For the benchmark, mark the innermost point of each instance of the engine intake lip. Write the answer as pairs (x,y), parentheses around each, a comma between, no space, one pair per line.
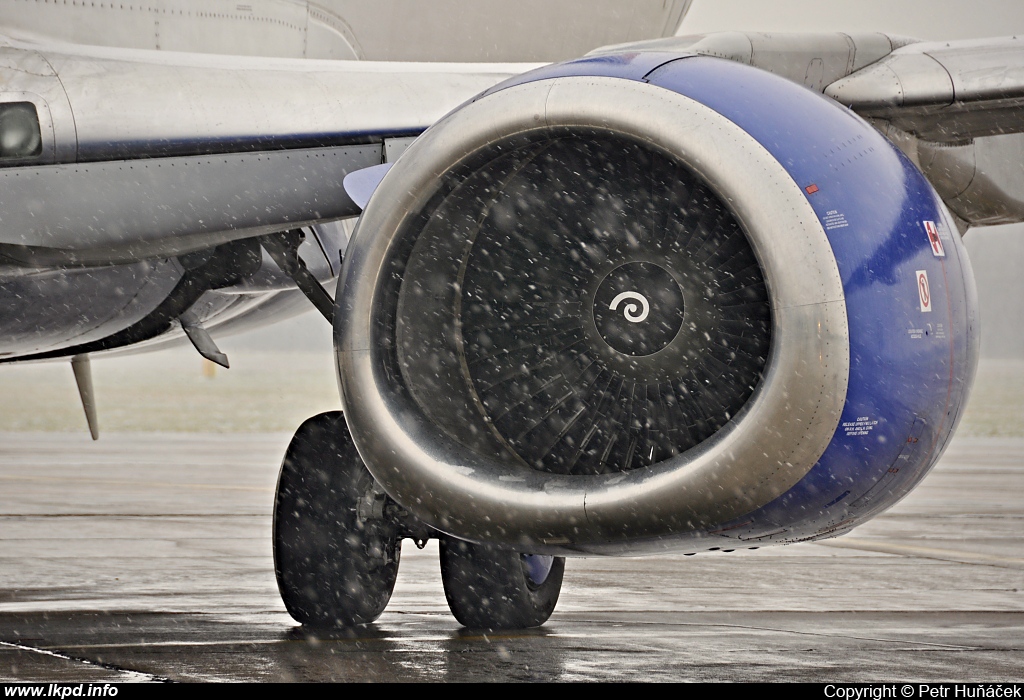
(482,496)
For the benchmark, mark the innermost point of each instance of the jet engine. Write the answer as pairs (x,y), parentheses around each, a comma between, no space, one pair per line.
(647,301)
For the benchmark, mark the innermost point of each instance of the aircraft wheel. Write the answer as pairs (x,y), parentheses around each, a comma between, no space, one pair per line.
(335,556)
(494,588)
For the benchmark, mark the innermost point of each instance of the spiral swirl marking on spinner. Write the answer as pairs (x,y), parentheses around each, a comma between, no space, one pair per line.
(630,309)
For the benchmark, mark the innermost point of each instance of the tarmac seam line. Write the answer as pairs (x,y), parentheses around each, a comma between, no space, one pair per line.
(139,676)
(951,555)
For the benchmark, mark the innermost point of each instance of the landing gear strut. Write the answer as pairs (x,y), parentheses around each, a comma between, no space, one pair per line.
(338,537)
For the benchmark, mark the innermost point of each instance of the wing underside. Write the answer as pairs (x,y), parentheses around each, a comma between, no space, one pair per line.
(137,188)
(947,92)
(957,109)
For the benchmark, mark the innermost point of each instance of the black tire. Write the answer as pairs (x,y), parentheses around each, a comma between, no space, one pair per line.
(333,568)
(487,587)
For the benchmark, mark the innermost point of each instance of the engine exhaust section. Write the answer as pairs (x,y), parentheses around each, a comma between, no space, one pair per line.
(646,302)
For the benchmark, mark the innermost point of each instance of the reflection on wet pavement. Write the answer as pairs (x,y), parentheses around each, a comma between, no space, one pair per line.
(147,557)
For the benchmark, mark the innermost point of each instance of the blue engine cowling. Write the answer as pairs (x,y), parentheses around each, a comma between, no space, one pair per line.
(911,370)
(881,261)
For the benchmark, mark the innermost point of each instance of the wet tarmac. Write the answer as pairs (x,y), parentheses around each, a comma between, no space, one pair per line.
(147,557)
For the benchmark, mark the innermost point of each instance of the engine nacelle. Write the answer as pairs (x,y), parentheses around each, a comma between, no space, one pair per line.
(640,302)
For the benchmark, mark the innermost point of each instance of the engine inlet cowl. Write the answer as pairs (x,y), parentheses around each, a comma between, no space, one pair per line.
(571,302)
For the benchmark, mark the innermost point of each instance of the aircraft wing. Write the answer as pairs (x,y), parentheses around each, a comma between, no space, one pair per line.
(954,108)
(134,184)
(957,109)
(128,137)
(104,106)
(947,92)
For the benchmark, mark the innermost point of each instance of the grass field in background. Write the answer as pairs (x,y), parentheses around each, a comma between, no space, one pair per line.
(168,391)
(267,391)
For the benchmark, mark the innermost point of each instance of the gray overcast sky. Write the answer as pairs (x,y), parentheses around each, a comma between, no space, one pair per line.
(924,19)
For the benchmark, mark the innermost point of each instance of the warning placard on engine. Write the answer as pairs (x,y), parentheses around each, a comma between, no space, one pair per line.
(933,238)
(862,426)
(924,292)
(834,219)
